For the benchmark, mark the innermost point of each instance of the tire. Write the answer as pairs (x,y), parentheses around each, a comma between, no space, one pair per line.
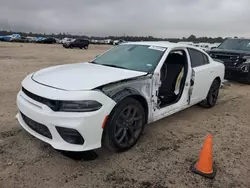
(212,95)
(86,47)
(122,131)
(80,47)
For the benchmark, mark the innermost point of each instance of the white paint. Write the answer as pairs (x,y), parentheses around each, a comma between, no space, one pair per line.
(77,80)
(157,48)
(82,76)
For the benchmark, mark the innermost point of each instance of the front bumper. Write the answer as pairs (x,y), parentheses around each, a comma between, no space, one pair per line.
(87,124)
(236,73)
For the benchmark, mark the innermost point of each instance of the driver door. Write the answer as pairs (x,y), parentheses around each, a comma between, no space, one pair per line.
(183,102)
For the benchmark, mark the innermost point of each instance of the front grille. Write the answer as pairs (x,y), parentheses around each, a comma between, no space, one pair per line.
(38,127)
(53,104)
(229,60)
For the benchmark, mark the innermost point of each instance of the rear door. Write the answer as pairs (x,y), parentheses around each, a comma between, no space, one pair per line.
(202,75)
(76,43)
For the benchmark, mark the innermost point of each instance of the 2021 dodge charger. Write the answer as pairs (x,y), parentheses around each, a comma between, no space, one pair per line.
(108,101)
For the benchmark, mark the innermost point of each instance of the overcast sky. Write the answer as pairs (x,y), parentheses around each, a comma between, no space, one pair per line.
(159,18)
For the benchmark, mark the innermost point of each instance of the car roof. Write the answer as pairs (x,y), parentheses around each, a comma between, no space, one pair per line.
(163,44)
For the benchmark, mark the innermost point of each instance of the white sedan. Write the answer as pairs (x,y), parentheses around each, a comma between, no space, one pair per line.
(108,101)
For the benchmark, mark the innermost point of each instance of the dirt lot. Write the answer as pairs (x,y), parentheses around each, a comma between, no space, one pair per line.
(162,157)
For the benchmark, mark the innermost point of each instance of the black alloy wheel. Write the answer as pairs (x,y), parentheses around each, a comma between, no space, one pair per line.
(128,126)
(125,125)
(212,96)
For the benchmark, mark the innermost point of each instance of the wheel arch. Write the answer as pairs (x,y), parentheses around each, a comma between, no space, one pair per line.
(129,92)
(218,79)
(118,97)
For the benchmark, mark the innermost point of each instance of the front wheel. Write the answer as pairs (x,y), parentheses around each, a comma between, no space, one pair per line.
(124,126)
(212,95)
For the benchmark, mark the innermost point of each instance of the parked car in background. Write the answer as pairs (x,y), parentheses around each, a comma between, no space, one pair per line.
(77,43)
(57,40)
(235,54)
(117,42)
(108,101)
(10,37)
(66,40)
(38,39)
(30,39)
(186,42)
(21,39)
(93,41)
(49,40)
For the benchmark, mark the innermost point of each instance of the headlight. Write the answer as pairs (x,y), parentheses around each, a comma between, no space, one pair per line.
(79,106)
(246,64)
(247,59)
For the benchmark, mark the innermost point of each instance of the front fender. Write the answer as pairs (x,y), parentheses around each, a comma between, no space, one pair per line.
(122,94)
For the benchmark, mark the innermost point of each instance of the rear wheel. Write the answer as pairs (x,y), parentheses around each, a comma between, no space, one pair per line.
(125,125)
(86,47)
(212,95)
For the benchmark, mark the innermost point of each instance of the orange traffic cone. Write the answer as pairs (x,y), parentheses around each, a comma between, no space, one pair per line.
(204,166)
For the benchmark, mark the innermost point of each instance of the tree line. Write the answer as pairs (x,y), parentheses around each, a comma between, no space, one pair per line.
(191,38)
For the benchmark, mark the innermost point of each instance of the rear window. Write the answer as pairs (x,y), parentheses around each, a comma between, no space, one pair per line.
(197,58)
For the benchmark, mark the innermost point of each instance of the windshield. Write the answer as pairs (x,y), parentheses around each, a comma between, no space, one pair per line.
(236,44)
(142,58)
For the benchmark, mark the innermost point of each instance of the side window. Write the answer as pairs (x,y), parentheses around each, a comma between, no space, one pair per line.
(197,58)
(206,61)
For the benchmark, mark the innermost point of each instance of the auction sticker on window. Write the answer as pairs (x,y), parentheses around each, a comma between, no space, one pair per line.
(157,48)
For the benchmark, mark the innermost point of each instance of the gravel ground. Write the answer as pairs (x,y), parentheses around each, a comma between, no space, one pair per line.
(161,158)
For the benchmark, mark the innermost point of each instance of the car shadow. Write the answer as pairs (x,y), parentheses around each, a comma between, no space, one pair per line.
(80,156)
(86,155)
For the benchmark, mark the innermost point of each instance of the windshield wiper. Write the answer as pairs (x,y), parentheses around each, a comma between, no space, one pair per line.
(108,65)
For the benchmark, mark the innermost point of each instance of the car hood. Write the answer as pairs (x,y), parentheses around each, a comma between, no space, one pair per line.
(217,50)
(82,76)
